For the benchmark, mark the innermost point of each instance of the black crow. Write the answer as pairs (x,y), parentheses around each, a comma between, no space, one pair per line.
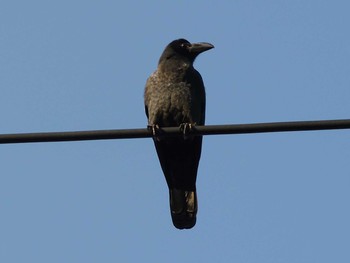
(175,96)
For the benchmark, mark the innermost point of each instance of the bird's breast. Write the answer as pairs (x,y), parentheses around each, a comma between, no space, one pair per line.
(176,108)
(170,104)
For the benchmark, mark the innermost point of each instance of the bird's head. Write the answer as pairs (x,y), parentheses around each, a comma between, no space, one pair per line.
(182,49)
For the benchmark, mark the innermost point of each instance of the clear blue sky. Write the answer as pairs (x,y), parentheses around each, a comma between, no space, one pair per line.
(82,65)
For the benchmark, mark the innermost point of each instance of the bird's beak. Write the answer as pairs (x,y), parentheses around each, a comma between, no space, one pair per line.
(198,48)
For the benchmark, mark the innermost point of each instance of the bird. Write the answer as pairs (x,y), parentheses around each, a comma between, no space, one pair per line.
(174,96)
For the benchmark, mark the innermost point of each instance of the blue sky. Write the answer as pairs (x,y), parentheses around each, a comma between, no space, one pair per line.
(82,65)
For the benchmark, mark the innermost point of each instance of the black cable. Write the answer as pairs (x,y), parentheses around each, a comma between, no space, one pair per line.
(174,131)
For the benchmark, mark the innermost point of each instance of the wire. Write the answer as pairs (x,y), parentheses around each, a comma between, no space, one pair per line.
(175,131)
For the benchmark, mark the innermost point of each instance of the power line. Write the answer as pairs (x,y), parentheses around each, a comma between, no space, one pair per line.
(174,131)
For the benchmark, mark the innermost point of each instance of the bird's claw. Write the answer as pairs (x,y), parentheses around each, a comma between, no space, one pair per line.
(186,129)
(155,129)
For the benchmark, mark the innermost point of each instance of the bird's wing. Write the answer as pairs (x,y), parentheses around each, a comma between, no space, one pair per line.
(146,111)
(146,93)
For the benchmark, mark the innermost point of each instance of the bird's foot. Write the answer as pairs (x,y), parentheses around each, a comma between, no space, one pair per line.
(155,129)
(186,128)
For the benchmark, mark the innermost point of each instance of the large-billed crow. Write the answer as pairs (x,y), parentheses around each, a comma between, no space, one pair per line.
(175,96)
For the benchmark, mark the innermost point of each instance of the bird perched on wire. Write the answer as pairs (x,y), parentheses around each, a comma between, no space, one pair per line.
(175,96)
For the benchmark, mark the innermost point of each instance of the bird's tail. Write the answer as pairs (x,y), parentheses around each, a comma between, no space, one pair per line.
(183,208)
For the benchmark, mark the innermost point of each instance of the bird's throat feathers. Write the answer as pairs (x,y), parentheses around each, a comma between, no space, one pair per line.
(175,67)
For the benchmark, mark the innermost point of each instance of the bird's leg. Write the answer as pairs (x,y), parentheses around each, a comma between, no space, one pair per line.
(186,129)
(155,131)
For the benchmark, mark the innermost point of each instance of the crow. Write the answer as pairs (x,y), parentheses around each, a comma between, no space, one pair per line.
(175,96)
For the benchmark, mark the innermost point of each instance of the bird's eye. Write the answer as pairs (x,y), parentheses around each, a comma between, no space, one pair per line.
(184,45)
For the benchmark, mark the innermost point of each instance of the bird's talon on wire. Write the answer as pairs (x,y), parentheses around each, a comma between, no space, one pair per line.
(155,129)
(186,129)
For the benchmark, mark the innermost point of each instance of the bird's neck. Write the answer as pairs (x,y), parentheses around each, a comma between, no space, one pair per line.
(176,68)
